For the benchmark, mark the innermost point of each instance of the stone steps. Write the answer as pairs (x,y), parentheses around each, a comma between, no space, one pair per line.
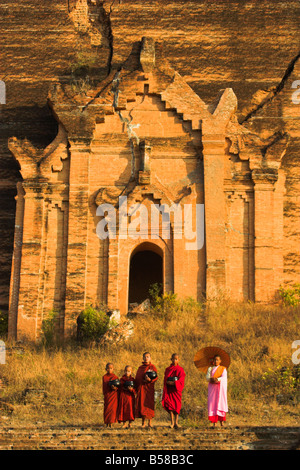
(160,438)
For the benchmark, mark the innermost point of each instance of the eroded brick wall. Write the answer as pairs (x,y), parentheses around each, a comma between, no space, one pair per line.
(246,45)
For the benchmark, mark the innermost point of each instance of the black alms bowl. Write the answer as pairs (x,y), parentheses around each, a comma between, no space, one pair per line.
(114,383)
(172,379)
(128,383)
(151,374)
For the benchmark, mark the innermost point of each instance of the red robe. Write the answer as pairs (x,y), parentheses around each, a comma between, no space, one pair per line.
(144,407)
(110,400)
(171,399)
(126,401)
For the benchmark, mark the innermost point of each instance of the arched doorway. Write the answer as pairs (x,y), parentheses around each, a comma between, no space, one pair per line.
(146,268)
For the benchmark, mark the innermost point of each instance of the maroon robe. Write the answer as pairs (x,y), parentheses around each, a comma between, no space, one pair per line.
(126,405)
(110,400)
(144,407)
(171,399)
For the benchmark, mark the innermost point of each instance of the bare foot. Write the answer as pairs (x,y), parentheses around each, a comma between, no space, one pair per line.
(125,426)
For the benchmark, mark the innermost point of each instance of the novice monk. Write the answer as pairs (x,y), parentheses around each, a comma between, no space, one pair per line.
(126,399)
(145,391)
(171,400)
(110,396)
(217,392)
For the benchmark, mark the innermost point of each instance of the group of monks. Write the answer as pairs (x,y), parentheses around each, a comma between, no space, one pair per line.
(134,397)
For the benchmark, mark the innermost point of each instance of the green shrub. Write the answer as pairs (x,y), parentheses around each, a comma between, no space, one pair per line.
(92,323)
(282,379)
(155,291)
(290,296)
(167,306)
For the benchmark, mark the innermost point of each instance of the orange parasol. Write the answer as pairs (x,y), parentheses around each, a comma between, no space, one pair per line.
(204,358)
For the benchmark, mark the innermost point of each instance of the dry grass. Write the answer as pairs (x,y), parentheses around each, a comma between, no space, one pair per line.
(258,338)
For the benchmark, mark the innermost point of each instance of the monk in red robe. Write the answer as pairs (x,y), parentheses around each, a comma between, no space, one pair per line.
(171,399)
(144,405)
(126,407)
(110,396)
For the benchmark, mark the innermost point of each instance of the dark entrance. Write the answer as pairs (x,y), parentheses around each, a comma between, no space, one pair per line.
(146,268)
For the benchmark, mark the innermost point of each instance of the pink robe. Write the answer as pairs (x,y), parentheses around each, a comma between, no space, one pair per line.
(171,399)
(217,397)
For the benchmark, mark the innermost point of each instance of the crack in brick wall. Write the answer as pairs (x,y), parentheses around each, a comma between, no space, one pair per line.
(269,94)
(201,41)
(93,17)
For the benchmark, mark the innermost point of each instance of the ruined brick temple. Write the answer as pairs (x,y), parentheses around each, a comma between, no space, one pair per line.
(140,131)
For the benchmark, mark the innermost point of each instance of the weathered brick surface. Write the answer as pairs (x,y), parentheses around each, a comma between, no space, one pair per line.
(223,151)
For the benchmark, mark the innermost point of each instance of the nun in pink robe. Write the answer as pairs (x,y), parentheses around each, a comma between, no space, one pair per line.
(217,392)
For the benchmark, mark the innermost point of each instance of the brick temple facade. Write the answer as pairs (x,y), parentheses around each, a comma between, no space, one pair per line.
(143,134)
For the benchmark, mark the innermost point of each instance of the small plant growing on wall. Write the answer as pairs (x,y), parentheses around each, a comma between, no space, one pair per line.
(80,73)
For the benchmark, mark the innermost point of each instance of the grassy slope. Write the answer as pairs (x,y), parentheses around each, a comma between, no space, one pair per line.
(258,338)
